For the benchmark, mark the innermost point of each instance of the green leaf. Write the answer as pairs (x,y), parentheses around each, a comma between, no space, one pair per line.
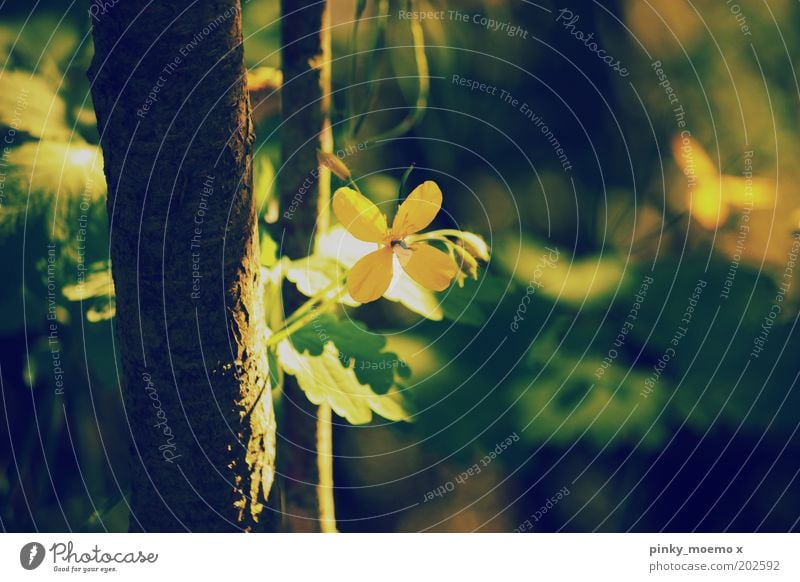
(62,182)
(64,172)
(275,380)
(473,303)
(324,379)
(358,348)
(264,185)
(315,273)
(269,250)
(96,291)
(29,105)
(576,282)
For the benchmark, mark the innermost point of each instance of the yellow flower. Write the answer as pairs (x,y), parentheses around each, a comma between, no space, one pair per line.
(370,277)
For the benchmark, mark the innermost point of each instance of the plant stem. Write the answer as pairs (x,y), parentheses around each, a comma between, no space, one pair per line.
(327,512)
(309,305)
(297,322)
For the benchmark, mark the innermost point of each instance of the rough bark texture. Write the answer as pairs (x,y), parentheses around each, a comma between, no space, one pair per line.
(184,252)
(304,112)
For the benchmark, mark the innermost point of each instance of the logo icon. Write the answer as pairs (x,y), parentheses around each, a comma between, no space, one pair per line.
(31,555)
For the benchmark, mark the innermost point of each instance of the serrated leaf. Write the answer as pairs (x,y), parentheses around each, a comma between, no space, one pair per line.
(324,379)
(316,273)
(358,349)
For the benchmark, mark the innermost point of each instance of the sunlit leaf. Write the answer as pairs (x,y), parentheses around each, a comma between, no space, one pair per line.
(97,290)
(316,273)
(63,181)
(554,274)
(68,170)
(358,349)
(29,105)
(268,249)
(324,379)
(264,187)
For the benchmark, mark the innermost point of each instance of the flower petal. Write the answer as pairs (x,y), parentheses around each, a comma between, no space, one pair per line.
(359,215)
(418,210)
(430,267)
(370,276)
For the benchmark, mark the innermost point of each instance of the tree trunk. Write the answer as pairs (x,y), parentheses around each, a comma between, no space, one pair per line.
(304,198)
(173,114)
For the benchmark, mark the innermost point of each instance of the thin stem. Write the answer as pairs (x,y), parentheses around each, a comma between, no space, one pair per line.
(300,322)
(324,428)
(447,232)
(309,305)
(327,511)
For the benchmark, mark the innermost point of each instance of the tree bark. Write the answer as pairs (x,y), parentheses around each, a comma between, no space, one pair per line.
(304,200)
(173,114)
